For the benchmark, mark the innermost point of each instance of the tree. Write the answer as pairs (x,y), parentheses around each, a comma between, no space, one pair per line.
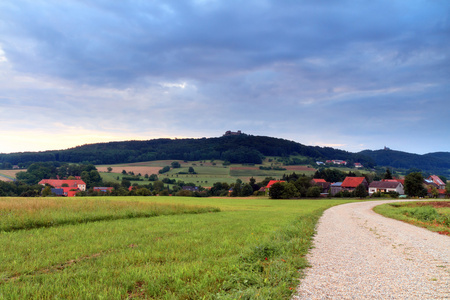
(191,170)
(414,185)
(164,170)
(126,183)
(158,186)
(361,191)
(289,191)
(246,190)
(314,191)
(153,177)
(237,188)
(175,165)
(388,174)
(276,190)
(47,191)
(109,169)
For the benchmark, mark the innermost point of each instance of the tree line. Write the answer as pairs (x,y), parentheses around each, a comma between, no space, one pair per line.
(234,149)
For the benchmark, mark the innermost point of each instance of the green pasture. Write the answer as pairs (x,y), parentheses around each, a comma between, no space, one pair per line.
(206,173)
(251,249)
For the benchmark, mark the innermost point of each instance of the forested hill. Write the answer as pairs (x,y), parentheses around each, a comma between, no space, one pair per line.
(438,162)
(235,149)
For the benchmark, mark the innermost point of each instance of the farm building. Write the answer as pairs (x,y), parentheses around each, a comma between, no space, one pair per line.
(335,188)
(67,187)
(350,183)
(72,183)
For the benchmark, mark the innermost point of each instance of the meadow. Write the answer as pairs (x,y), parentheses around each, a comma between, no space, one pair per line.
(250,248)
(433,215)
(207,172)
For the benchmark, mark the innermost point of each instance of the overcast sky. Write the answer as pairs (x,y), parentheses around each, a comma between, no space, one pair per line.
(349,74)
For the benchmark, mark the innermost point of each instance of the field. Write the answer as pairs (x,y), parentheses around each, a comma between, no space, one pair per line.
(251,249)
(8,175)
(433,215)
(207,172)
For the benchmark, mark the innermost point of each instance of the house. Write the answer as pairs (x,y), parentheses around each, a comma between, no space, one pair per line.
(437,193)
(350,183)
(322,183)
(67,187)
(190,188)
(335,188)
(72,183)
(339,162)
(433,179)
(358,165)
(386,187)
(102,189)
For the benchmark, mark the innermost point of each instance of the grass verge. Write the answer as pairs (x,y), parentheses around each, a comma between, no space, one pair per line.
(433,215)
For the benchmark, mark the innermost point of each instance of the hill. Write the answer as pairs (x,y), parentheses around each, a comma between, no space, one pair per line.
(438,162)
(235,149)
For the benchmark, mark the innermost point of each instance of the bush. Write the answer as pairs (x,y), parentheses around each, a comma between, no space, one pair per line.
(314,191)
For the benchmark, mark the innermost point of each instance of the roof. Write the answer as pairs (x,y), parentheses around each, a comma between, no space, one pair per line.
(352,182)
(384,184)
(317,180)
(337,184)
(59,182)
(402,181)
(436,180)
(272,182)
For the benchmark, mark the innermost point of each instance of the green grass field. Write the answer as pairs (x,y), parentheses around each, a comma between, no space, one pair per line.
(433,215)
(207,172)
(251,249)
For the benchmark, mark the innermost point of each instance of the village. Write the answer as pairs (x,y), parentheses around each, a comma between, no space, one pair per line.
(434,186)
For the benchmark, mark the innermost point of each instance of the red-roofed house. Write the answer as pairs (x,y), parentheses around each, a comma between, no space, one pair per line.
(73,183)
(437,181)
(69,187)
(350,183)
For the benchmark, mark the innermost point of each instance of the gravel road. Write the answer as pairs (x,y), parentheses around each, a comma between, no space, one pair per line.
(359,254)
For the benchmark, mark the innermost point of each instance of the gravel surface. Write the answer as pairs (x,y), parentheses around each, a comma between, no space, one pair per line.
(359,254)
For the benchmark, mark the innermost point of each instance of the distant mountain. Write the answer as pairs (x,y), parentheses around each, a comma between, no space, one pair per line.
(438,162)
(241,148)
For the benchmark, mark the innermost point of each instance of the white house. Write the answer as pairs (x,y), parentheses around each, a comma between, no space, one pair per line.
(386,187)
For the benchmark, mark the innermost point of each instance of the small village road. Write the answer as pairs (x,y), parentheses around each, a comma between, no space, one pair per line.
(359,254)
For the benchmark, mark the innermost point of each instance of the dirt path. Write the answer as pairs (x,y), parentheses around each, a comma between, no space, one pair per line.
(359,254)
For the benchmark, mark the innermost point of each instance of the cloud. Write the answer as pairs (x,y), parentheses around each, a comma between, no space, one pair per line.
(310,71)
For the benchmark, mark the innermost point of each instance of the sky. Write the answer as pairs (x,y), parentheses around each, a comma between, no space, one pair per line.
(348,74)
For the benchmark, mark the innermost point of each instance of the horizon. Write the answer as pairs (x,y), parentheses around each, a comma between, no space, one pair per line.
(347,75)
